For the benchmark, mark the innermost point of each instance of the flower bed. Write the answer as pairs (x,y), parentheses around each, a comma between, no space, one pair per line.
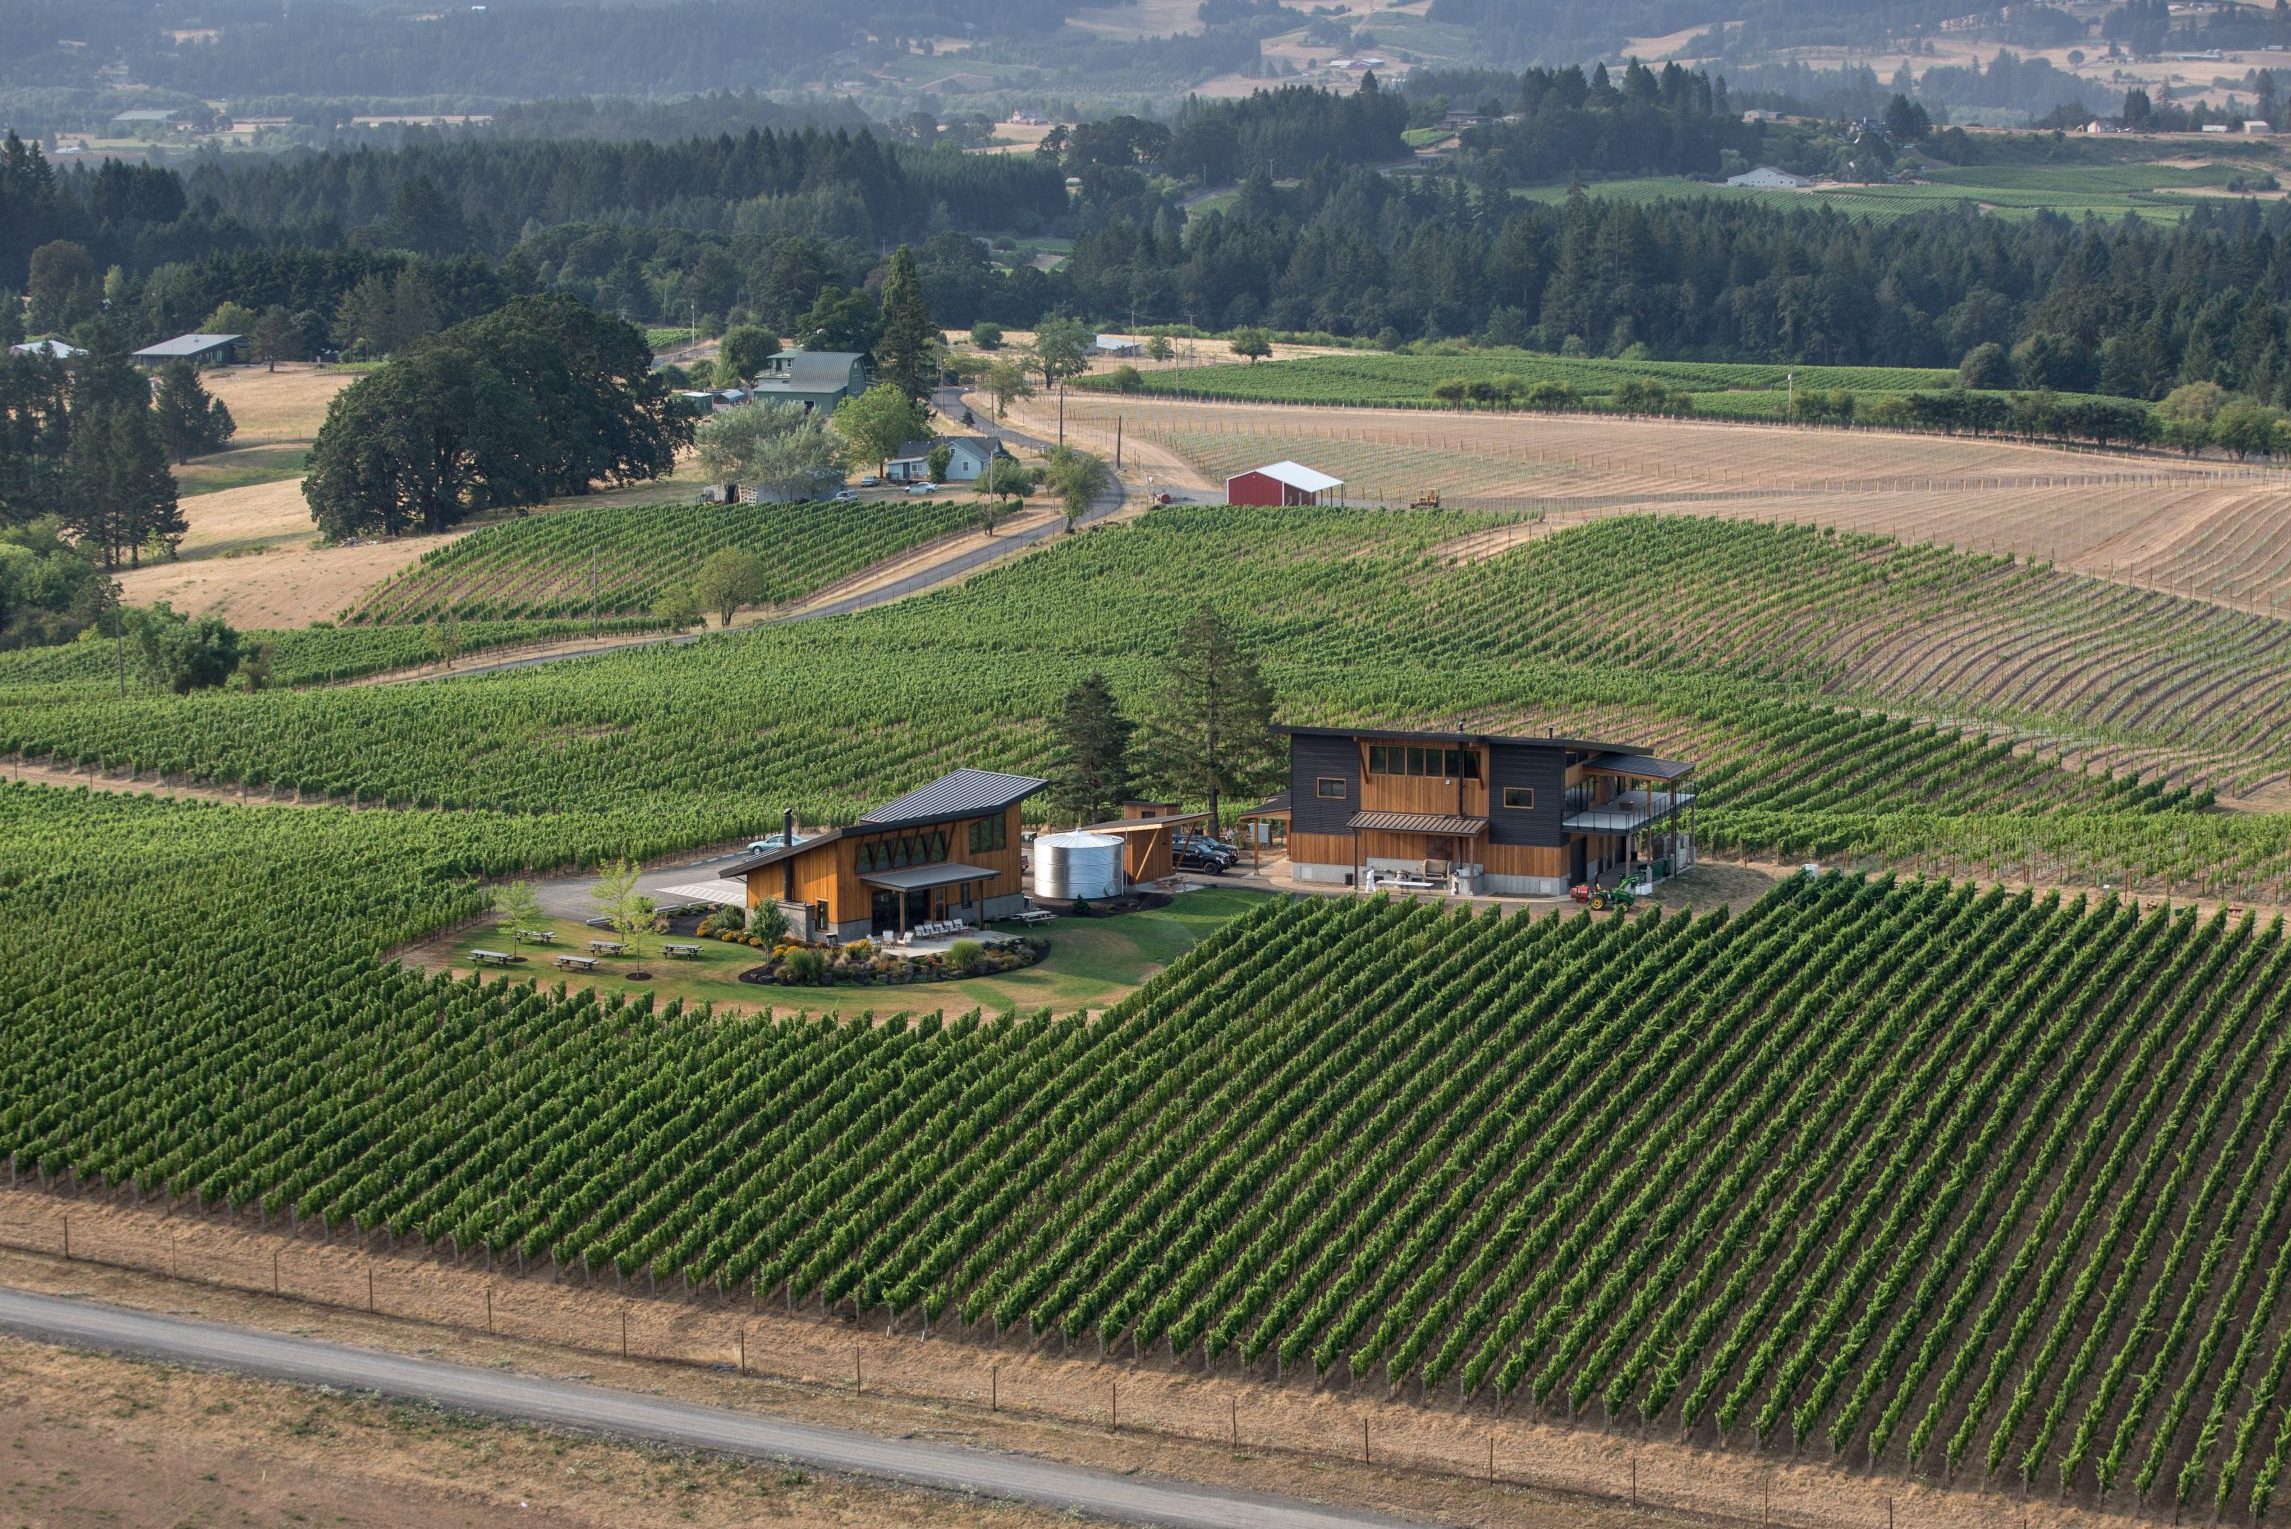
(863,963)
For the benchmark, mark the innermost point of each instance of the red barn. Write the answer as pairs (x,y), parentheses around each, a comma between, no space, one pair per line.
(1281,483)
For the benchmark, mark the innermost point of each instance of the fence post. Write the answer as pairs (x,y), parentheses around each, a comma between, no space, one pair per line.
(274,1271)
(855,1369)
(489,1311)
(67,1239)
(994,1387)
(369,1290)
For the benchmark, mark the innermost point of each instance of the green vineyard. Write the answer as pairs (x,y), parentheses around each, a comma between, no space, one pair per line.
(1916,1175)
(303,656)
(1796,663)
(1369,379)
(620,559)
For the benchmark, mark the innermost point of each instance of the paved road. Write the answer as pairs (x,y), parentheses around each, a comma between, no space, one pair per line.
(624,1414)
(928,577)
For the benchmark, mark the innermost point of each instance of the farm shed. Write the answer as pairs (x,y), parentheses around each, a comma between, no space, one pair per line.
(946,850)
(198,349)
(1113,347)
(1514,815)
(1280,483)
(1147,840)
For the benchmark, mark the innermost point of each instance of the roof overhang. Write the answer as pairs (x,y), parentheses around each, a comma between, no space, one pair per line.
(772,857)
(1419,735)
(723,891)
(1143,825)
(915,878)
(1627,813)
(1296,475)
(1450,824)
(1640,766)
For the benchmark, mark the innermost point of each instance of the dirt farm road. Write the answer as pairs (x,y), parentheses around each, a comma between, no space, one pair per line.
(597,1409)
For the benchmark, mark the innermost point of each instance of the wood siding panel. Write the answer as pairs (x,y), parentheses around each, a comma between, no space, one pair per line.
(1526,859)
(1422,793)
(1320,849)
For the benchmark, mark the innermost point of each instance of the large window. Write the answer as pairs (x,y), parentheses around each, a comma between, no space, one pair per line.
(928,847)
(988,833)
(1415,759)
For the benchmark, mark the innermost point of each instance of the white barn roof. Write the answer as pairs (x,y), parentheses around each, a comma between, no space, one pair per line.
(185,345)
(1298,476)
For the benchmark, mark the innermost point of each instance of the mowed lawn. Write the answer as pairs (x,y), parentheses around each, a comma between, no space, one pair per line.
(1092,962)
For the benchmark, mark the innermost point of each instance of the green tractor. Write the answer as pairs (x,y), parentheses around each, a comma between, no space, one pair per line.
(1622,897)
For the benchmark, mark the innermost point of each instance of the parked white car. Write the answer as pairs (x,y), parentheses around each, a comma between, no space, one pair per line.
(924,487)
(870,481)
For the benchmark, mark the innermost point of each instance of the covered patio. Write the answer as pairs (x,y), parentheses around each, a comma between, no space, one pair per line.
(1654,819)
(923,894)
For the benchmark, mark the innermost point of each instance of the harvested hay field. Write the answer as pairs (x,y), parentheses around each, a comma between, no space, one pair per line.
(2210,530)
(278,408)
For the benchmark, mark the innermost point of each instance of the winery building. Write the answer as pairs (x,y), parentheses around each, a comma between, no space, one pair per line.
(1509,815)
(948,850)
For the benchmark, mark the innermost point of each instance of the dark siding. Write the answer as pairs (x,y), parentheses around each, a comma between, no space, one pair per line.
(1538,765)
(1310,758)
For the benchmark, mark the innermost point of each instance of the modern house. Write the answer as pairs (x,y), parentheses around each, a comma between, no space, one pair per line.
(948,850)
(1281,483)
(198,349)
(1514,816)
(817,379)
(1768,178)
(968,457)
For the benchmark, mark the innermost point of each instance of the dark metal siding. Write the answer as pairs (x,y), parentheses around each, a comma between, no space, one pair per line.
(1309,759)
(1542,766)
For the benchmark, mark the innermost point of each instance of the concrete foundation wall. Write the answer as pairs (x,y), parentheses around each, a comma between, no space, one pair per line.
(1525,886)
(1329,874)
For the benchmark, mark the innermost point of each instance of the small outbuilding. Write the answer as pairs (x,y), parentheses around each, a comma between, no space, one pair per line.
(1767,178)
(1281,483)
(1112,347)
(198,349)
(1147,831)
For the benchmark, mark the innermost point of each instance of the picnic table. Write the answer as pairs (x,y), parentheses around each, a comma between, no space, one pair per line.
(1034,916)
(606,947)
(688,952)
(577,963)
(538,936)
(495,957)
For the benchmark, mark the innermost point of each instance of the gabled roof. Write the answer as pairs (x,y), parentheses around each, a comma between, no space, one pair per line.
(58,350)
(810,371)
(1297,476)
(964,793)
(979,446)
(186,345)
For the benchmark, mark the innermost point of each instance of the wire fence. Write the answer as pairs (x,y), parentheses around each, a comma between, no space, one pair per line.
(834,1351)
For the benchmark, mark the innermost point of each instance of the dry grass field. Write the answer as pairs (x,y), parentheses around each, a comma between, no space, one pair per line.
(2212,530)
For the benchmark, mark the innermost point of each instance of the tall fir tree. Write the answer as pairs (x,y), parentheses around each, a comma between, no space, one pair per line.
(907,356)
(1090,772)
(1209,728)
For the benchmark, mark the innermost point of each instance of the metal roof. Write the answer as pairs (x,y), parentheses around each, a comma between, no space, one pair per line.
(964,793)
(1645,766)
(809,371)
(1418,823)
(1271,807)
(187,345)
(914,878)
(57,350)
(721,890)
(1456,735)
(1141,825)
(1296,475)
